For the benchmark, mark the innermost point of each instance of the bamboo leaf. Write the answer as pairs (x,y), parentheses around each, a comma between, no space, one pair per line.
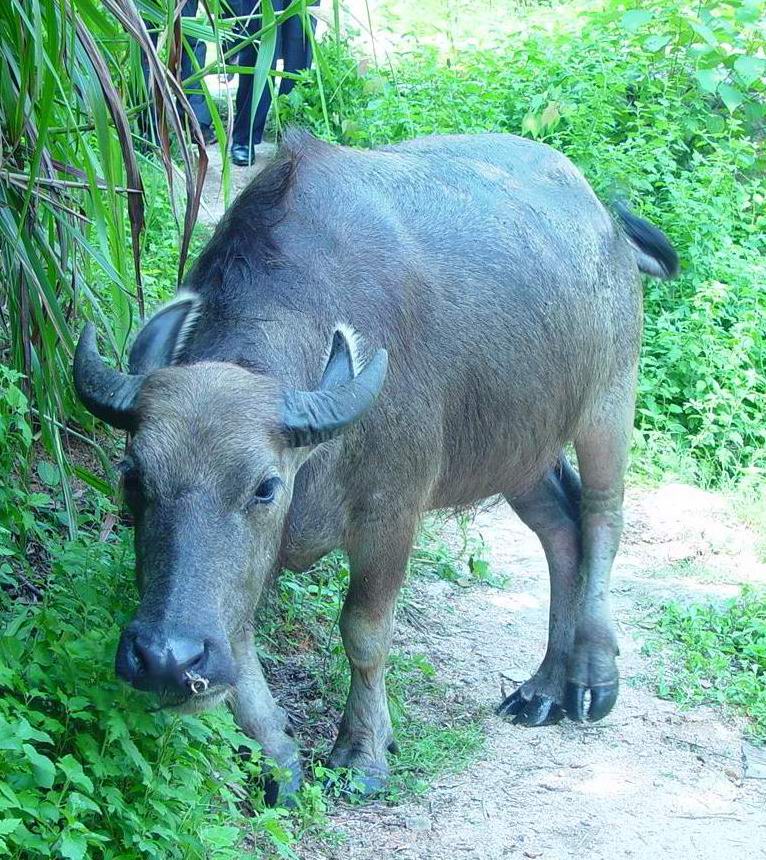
(117,110)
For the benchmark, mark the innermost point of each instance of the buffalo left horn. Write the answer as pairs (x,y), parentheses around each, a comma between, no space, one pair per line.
(311,417)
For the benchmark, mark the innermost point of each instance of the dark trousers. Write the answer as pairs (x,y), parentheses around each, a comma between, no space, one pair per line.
(293,47)
(193,91)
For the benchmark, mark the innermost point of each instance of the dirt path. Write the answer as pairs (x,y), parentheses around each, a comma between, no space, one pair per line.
(649,781)
(213,205)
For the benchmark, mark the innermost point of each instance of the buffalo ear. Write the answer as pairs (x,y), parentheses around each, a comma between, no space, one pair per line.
(161,341)
(340,364)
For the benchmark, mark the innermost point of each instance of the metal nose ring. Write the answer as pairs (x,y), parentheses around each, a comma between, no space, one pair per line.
(196,683)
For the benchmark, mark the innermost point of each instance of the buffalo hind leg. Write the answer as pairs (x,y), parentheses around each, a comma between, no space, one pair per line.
(378,560)
(551,510)
(602,453)
(260,718)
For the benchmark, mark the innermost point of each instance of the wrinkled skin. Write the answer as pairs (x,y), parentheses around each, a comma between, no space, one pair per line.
(510,307)
(191,481)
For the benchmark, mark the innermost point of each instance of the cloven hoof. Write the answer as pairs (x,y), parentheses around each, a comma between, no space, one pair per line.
(531,713)
(284,792)
(602,699)
(358,783)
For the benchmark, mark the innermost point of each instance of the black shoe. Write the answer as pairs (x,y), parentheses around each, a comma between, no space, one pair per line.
(242,156)
(208,135)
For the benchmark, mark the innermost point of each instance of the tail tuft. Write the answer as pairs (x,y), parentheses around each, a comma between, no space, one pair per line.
(654,253)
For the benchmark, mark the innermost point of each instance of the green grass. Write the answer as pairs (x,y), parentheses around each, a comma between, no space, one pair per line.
(435,735)
(717,654)
(684,568)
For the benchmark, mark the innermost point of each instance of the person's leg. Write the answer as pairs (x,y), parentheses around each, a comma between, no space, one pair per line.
(193,91)
(249,118)
(148,118)
(296,48)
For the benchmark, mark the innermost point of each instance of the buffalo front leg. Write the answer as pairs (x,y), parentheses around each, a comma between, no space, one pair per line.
(552,510)
(260,718)
(378,562)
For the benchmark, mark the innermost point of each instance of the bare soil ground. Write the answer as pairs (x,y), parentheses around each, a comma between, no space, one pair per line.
(651,780)
(213,201)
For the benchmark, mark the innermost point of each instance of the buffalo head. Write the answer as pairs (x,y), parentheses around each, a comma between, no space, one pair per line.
(208,475)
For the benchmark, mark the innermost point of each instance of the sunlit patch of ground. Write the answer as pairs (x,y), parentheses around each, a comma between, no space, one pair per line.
(651,780)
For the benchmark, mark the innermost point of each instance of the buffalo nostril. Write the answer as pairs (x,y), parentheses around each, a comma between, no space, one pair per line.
(200,661)
(128,663)
(166,662)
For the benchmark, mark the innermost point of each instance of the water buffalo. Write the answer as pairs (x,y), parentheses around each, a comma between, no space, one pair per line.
(370,335)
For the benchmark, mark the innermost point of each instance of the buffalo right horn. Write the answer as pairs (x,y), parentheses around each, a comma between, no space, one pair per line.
(111,395)
(105,392)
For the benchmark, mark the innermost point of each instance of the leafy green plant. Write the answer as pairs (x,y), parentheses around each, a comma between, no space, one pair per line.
(722,39)
(71,207)
(15,441)
(86,770)
(462,561)
(721,651)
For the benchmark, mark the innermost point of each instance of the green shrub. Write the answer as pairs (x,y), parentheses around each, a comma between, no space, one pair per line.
(722,653)
(86,769)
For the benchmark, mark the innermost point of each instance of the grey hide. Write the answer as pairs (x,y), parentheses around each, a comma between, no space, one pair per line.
(508,301)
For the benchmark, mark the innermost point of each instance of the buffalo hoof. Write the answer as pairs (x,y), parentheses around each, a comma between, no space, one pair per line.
(369,782)
(602,699)
(531,712)
(283,792)
(368,775)
(358,782)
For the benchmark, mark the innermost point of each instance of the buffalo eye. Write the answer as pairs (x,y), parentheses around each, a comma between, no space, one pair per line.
(265,492)
(129,473)
(125,466)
